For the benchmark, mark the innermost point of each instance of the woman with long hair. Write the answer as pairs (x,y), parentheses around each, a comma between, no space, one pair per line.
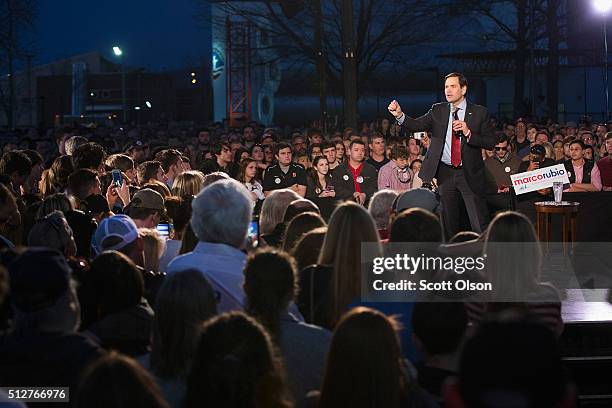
(184,302)
(365,366)
(268,154)
(115,380)
(187,183)
(257,153)
(270,286)
(247,175)
(235,366)
(239,155)
(513,267)
(319,181)
(559,156)
(55,179)
(340,152)
(328,288)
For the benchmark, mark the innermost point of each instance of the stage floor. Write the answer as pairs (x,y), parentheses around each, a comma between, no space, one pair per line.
(584,305)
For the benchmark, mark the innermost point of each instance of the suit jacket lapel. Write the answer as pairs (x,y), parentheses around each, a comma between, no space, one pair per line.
(467,119)
(447,113)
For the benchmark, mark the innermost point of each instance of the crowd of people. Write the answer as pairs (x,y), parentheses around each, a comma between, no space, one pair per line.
(158,267)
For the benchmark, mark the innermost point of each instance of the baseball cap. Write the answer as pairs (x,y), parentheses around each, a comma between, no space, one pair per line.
(137,143)
(419,198)
(570,124)
(149,199)
(120,227)
(39,277)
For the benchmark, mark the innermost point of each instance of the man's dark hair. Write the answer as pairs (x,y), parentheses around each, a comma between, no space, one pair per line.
(578,142)
(399,152)
(439,326)
(167,158)
(608,135)
(120,161)
(376,135)
(356,141)
(15,161)
(218,148)
(141,213)
(313,132)
(544,132)
(416,225)
(147,170)
(81,181)
(116,282)
(503,139)
(34,156)
(327,145)
(88,156)
(280,146)
(462,79)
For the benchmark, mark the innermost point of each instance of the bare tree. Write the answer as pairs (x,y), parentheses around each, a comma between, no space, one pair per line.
(17,19)
(524,27)
(386,34)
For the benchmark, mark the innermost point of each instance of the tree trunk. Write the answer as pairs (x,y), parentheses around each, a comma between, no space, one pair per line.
(520,58)
(552,68)
(349,66)
(10,109)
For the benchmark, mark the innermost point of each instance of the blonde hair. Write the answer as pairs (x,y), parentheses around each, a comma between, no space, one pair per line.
(350,226)
(154,247)
(550,151)
(274,207)
(188,183)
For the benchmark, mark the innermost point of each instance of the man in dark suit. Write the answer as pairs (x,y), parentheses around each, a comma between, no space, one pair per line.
(459,130)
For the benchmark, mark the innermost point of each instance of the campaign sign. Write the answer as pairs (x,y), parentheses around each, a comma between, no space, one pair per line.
(538,179)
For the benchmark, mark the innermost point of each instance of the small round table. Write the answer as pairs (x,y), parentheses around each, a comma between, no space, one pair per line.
(568,211)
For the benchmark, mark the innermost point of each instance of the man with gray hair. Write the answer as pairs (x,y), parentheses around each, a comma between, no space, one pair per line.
(221,229)
(73,142)
(380,209)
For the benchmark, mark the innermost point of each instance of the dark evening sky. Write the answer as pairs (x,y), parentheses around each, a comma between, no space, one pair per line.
(155,34)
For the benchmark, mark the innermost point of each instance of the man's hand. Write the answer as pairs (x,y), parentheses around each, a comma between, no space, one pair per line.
(359,197)
(395,109)
(533,166)
(460,125)
(111,196)
(124,193)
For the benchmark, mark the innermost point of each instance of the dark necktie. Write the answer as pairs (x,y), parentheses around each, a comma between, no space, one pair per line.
(456,142)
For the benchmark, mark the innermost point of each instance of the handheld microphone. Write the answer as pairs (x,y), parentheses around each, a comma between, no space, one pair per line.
(457,133)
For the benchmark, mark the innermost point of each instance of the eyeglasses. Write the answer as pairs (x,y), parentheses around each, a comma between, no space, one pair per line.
(500,148)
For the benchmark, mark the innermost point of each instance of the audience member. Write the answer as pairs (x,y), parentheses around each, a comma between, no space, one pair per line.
(187,183)
(380,210)
(235,365)
(122,318)
(298,226)
(184,302)
(270,286)
(365,367)
(514,363)
(355,179)
(284,174)
(221,230)
(329,287)
(118,381)
(43,348)
(439,329)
